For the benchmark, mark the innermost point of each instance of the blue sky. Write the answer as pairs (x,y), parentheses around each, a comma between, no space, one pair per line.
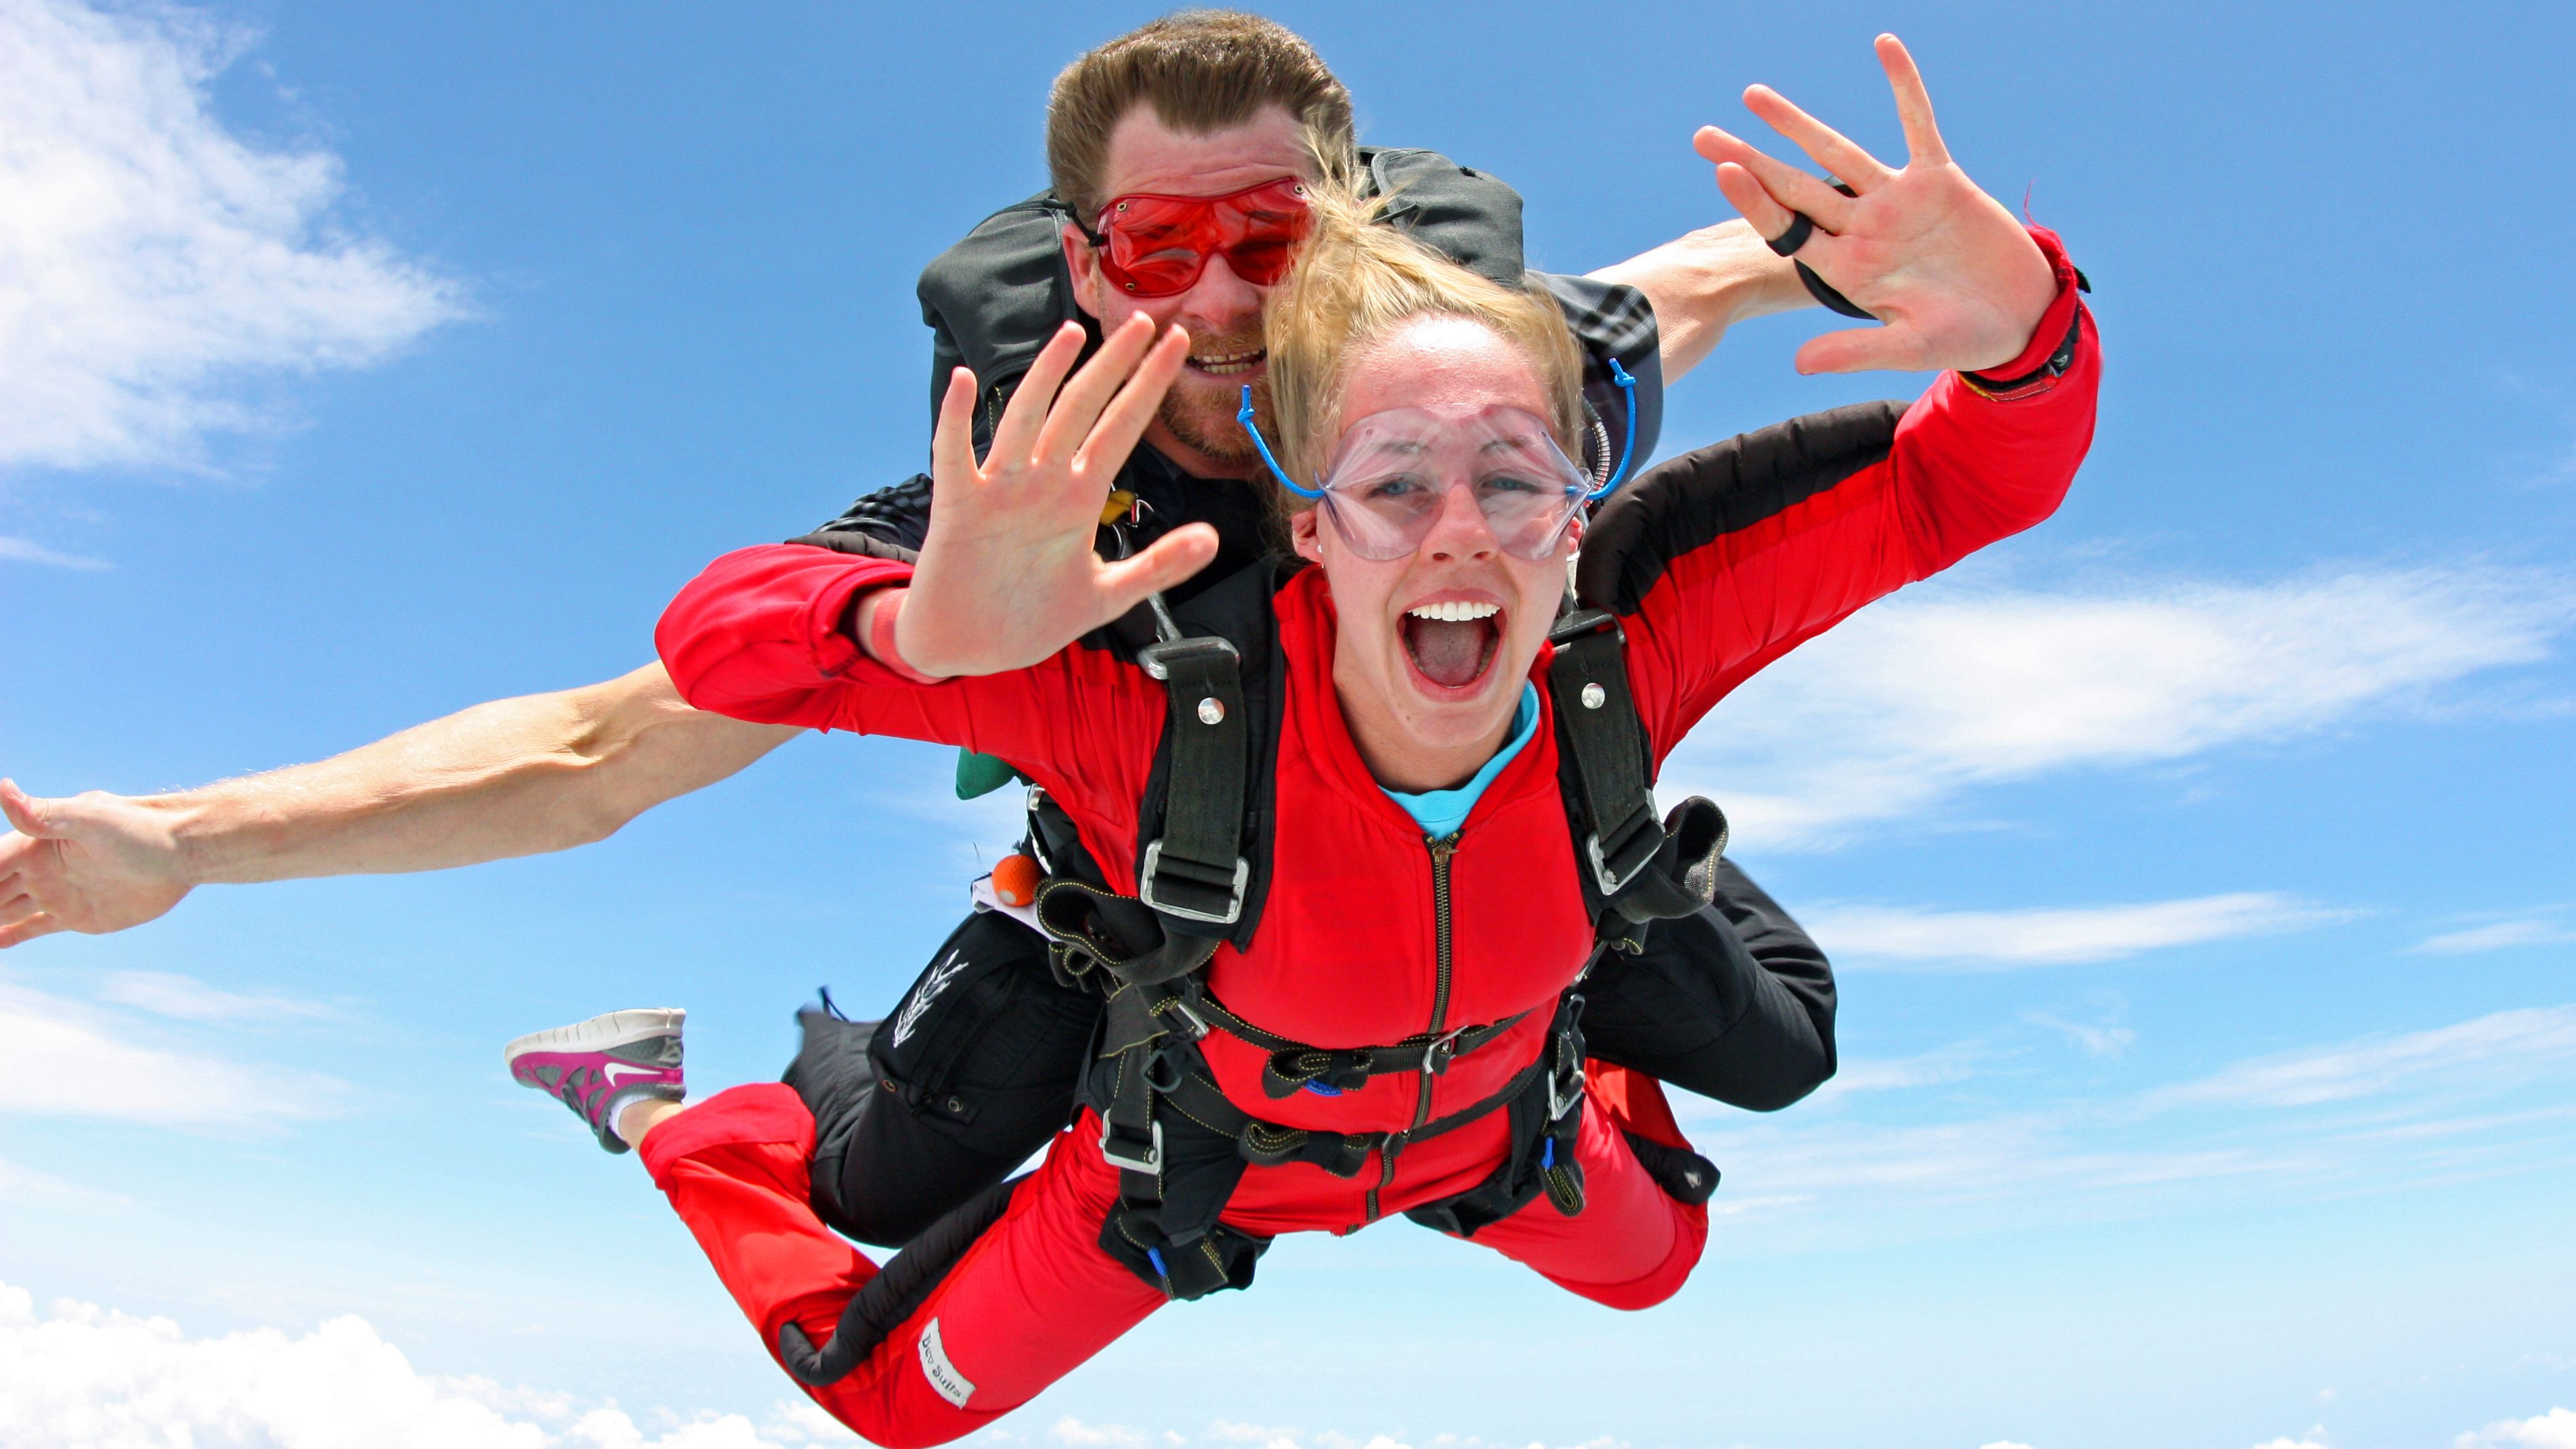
(2199,865)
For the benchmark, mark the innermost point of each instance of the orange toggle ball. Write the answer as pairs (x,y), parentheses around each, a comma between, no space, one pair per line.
(1015,880)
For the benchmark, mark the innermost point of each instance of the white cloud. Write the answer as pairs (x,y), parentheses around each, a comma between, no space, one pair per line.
(151,262)
(2499,1048)
(2008,940)
(20,550)
(2096,1041)
(2553,1430)
(68,1059)
(166,994)
(2498,936)
(84,1377)
(1955,685)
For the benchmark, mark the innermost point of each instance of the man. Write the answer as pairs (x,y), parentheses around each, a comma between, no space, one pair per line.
(1207,109)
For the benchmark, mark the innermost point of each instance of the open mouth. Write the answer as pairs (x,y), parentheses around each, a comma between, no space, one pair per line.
(1229,364)
(1453,643)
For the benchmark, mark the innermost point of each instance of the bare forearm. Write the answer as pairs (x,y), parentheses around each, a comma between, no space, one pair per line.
(513,777)
(1705,281)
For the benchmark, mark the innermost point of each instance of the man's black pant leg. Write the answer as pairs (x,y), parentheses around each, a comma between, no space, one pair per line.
(974,1071)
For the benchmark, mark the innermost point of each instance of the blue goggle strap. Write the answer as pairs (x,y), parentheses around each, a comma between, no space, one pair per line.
(1245,417)
(1627,449)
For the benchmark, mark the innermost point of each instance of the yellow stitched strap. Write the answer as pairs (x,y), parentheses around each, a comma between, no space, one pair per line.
(1116,507)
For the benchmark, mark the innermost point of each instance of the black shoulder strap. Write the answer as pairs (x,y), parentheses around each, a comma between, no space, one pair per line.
(1636,868)
(1204,826)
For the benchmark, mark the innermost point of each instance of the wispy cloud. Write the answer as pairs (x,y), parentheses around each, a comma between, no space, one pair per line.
(85,1375)
(2499,935)
(2553,1430)
(154,263)
(1957,685)
(2501,1049)
(70,1059)
(2010,940)
(2479,1097)
(188,999)
(19,550)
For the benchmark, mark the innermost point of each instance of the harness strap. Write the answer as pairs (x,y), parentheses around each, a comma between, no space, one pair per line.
(1642,870)
(1330,1071)
(1196,872)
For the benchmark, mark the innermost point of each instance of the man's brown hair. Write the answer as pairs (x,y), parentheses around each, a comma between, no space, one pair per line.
(1201,71)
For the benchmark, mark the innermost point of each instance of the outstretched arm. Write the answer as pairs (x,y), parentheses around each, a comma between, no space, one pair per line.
(513,777)
(1703,282)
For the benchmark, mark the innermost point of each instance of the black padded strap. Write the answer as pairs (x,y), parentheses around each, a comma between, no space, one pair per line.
(1588,682)
(1194,873)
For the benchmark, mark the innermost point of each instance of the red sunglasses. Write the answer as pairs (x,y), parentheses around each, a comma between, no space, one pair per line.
(1156,246)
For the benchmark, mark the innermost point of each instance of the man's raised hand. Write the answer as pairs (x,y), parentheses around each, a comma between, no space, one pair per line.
(91,863)
(1007,574)
(1953,277)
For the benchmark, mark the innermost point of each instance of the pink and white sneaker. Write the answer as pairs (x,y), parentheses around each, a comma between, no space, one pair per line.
(598,1067)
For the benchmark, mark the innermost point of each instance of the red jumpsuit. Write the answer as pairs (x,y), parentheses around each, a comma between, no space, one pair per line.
(1352,948)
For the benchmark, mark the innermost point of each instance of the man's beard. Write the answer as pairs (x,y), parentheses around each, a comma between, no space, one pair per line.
(1200,412)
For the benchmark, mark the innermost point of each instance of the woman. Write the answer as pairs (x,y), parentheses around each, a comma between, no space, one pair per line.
(1423,870)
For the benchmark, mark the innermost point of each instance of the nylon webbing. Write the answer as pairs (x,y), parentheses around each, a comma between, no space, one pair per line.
(1194,874)
(1588,683)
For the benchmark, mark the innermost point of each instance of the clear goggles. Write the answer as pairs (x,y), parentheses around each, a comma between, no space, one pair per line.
(1392,474)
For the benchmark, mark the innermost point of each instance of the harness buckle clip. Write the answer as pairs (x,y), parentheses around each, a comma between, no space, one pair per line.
(1145,875)
(1120,1156)
(1611,880)
(1441,1050)
(1156,658)
(1197,1024)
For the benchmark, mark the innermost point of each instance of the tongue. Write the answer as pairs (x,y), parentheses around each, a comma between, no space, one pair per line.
(1450,653)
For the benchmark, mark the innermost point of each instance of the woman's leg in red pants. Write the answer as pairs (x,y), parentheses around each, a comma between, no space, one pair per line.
(1030,1301)
(1631,1246)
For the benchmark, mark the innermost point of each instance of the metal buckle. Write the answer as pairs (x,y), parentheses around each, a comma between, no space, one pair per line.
(1441,1050)
(1557,1102)
(1151,1162)
(1154,658)
(1611,883)
(1233,908)
(1583,624)
(1197,1024)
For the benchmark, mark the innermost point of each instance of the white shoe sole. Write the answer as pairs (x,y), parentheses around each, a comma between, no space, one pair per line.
(616,1029)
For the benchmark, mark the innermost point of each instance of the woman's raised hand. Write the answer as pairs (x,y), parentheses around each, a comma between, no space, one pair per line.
(1953,277)
(1007,574)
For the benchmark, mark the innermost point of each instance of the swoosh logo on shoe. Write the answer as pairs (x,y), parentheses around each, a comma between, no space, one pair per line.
(610,1071)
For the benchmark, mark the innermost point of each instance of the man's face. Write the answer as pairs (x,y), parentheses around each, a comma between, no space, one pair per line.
(1429,694)
(1196,427)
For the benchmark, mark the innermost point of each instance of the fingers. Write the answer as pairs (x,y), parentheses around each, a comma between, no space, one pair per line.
(1824,145)
(1859,349)
(952,442)
(1789,186)
(25,814)
(1132,411)
(1015,437)
(17,932)
(1913,105)
(1769,218)
(1079,405)
(1172,558)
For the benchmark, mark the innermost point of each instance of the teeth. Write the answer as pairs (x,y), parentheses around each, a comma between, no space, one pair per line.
(1456,611)
(1229,363)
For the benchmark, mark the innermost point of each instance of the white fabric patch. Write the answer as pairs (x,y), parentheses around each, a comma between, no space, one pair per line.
(942,1374)
(982,894)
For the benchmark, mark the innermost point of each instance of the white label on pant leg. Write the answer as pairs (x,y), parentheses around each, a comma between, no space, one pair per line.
(942,1374)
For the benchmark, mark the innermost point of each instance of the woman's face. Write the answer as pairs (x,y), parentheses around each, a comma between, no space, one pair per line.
(1434,646)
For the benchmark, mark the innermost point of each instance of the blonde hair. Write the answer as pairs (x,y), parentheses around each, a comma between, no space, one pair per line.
(1355,282)
(1201,71)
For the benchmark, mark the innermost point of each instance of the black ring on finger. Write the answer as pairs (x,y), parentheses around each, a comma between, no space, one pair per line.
(1800,228)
